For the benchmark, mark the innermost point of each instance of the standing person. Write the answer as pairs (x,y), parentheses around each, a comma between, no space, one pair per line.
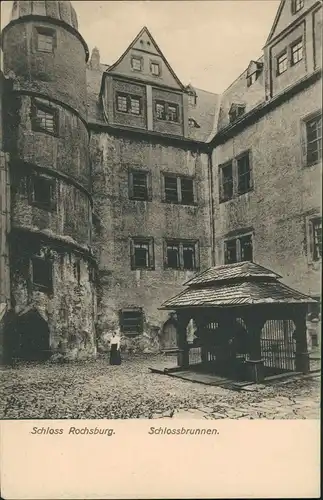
(115,356)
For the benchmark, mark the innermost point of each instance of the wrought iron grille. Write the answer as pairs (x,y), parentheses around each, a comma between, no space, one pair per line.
(278,346)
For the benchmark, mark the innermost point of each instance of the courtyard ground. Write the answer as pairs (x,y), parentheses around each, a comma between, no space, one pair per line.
(97,390)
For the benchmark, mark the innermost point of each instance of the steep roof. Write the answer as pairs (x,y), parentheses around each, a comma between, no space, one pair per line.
(243,283)
(205,113)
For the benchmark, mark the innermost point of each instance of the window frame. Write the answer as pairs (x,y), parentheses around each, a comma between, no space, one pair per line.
(141,61)
(155,63)
(179,179)
(48,32)
(238,158)
(234,113)
(51,205)
(129,98)
(238,248)
(222,197)
(142,240)
(278,57)
(315,253)
(132,196)
(48,289)
(181,243)
(166,105)
(47,109)
(292,53)
(140,329)
(296,6)
(317,116)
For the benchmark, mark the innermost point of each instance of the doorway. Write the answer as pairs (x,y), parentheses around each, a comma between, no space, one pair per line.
(169,336)
(32,336)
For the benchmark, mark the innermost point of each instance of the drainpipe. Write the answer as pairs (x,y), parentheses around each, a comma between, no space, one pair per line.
(211,207)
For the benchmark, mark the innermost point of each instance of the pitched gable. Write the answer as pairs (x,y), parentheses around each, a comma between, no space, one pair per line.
(145,50)
(286,15)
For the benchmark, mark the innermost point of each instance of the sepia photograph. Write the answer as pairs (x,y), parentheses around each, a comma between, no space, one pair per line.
(161,223)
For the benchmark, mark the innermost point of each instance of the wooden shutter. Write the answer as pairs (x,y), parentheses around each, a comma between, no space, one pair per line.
(132,254)
(130,184)
(151,254)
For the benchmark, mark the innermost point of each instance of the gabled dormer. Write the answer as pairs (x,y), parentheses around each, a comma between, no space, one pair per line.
(236,110)
(143,60)
(253,72)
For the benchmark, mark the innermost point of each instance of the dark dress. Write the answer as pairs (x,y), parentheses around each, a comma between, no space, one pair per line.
(115,357)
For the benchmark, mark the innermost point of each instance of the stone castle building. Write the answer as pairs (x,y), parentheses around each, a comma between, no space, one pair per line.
(120,182)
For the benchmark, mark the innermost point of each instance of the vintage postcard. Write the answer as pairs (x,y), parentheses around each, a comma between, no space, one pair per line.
(161,248)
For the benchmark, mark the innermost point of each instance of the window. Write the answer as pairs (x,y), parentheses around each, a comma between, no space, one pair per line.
(297,52)
(142,253)
(238,249)
(41,192)
(167,111)
(236,111)
(131,321)
(193,123)
(226,186)
(136,63)
(192,99)
(129,104)
(138,185)
(282,63)
(44,118)
(316,231)
(45,39)
(252,78)
(297,5)
(244,174)
(314,140)
(155,68)
(42,274)
(181,255)
(179,189)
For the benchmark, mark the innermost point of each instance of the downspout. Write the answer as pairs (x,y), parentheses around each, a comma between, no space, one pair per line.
(211,207)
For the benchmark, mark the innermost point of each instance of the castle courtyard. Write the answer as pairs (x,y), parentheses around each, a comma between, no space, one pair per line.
(97,390)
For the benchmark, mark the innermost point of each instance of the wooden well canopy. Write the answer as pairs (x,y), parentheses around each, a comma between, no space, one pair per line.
(248,292)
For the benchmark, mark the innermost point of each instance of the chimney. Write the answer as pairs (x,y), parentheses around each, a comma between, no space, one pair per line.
(95,59)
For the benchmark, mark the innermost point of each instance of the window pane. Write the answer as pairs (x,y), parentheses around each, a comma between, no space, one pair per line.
(42,273)
(173,256)
(45,120)
(230,252)
(131,321)
(314,139)
(160,111)
(172,113)
(187,191)
(188,256)
(282,63)
(155,69)
(297,52)
(244,177)
(171,194)
(246,247)
(122,103)
(42,191)
(140,189)
(136,64)
(45,42)
(141,255)
(227,183)
(317,238)
(135,106)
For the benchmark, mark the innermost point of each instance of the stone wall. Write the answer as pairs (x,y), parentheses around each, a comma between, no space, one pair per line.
(286,192)
(120,218)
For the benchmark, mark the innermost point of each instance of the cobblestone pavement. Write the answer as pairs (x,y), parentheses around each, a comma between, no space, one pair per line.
(97,390)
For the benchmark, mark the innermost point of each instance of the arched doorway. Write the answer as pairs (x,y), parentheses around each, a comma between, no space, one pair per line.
(32,337)
(169,335)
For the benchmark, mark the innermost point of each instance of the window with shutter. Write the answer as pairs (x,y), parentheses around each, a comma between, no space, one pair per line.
(131,321)
(139,185)
(244,174)
(181,254)
(142,253)
(179,189)
(44,118)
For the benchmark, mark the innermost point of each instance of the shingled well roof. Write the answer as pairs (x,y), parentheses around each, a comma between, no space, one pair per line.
(244,283)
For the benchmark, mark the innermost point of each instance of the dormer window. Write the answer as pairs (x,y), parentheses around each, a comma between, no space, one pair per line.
(236,111)
(136,63)
(193,123)
(297,5)
(155,68)
(252,78)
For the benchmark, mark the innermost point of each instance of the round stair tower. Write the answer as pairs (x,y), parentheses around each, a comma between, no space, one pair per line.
(51,204)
